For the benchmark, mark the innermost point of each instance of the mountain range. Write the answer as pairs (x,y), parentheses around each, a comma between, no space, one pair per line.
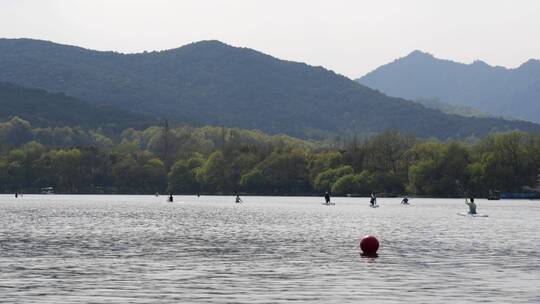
(493,89)
(212,83)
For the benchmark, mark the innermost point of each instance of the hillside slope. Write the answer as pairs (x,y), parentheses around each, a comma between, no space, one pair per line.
(45,109)
(213,83)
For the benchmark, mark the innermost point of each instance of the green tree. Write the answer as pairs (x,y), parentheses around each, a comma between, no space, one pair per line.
(68,168)
(386,152)
(214,175)
(155,176)
(127,174)
(182,178)
(241,164)
(440,170)
(254,182)
(346,184)
(507,161)
(322,162)
(286,172)
(15,132)
(325,179)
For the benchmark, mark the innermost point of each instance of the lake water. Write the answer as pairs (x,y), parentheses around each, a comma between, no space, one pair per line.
(141,249)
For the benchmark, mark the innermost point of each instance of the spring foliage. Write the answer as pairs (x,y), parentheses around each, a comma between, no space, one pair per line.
(220,160)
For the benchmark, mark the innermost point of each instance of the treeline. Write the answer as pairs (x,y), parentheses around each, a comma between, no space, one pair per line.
(213,160)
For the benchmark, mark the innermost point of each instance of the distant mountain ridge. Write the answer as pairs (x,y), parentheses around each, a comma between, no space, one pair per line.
(211,83)
(494,89)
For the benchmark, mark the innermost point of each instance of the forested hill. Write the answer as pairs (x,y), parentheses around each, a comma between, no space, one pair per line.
(213,83)
(497,90)
(45,109)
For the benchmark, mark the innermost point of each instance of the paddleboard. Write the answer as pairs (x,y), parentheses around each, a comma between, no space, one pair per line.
(472,215)
(374,206)
(329,204)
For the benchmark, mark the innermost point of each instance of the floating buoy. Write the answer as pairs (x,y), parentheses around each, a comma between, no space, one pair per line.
(369,245)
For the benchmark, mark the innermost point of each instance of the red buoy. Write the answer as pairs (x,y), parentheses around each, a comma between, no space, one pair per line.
(369,245)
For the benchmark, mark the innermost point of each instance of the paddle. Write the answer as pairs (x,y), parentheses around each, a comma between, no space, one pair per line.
(461,189)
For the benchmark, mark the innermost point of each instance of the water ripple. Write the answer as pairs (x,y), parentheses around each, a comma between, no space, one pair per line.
(140,249)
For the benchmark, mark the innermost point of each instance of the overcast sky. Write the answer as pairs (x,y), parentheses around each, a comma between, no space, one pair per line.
(349,37)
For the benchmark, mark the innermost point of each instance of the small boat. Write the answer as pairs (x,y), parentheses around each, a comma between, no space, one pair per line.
(47,190)
(494,195)
(472,215)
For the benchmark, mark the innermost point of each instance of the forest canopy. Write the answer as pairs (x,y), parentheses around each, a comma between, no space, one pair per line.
(217,160)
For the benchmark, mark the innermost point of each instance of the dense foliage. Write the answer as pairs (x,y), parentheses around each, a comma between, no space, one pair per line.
(216,160)
(210,83)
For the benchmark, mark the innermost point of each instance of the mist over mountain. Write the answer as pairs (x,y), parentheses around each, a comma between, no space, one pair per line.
(463,110)
(493,89)
(212,83)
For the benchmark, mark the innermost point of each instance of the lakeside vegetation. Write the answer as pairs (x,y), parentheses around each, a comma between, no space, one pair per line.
(215,160)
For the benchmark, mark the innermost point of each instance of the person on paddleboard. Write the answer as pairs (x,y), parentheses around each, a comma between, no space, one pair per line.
(238,199)
(327,198)
(471,204)
(171,198)
(405,200)
(373,200)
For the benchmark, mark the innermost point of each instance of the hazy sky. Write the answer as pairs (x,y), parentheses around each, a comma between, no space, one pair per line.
(349,37)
